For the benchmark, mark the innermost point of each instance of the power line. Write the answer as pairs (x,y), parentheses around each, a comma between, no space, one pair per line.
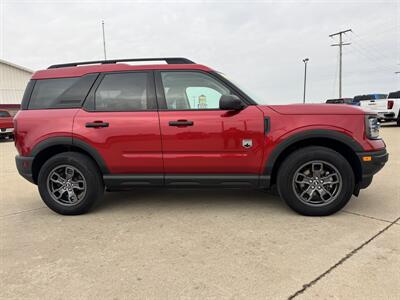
(361,51)
(371,48)
(340,44)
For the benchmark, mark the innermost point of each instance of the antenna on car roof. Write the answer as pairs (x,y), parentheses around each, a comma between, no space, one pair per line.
(168,60)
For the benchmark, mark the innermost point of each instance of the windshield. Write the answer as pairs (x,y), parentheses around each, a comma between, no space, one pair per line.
(380,96)
(252,95)
(336,101)
(4,114)
(369,97)
(363,97)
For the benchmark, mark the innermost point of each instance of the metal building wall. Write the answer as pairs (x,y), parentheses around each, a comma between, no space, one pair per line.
(13,81)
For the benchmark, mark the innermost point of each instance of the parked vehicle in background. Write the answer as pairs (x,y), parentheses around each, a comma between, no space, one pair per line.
(393,105)
(388,109)
(357,99)
(6,125)
(111,125)
(340,101)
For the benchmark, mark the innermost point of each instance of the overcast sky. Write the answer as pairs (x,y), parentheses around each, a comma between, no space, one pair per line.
(260,44)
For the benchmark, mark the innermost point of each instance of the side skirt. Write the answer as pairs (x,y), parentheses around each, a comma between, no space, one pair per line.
(128,181)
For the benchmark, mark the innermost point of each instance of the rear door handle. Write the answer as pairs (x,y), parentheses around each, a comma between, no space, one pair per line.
(96,124)
(181,123)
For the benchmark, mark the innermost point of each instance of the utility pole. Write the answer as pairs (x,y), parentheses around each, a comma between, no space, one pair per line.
(341,44)
(305,61)
(104,40)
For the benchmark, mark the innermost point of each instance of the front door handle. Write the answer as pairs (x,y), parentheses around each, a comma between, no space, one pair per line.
(96,124)
(181,123)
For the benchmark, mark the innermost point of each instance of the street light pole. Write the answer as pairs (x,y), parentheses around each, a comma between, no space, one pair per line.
(305,61)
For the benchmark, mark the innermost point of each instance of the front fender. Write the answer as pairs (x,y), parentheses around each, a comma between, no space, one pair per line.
(293,138)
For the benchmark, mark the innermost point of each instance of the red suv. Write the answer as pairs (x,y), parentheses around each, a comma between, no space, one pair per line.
(90,126)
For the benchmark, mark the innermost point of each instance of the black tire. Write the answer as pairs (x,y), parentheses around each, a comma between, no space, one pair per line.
(86,168)
(398,119)
(294,162)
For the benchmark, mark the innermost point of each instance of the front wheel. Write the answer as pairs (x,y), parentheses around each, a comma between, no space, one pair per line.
(316,181)
(70,183)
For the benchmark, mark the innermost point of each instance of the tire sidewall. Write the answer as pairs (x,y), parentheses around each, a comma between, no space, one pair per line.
(84,164)
(302,156)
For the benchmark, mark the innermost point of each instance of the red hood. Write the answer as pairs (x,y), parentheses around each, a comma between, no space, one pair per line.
(317,109)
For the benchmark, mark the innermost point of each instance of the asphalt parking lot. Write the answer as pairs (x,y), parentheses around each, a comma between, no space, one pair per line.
(187,244)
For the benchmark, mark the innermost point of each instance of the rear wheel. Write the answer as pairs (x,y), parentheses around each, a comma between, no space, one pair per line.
(315,181)
(70,183)
(398,118)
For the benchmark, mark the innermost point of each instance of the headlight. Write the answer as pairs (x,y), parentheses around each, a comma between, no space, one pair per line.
(372,127)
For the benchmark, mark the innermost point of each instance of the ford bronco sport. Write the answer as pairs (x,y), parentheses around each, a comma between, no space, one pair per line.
(107,125)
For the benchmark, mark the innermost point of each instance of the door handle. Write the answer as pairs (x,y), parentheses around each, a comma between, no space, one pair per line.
(96,124)
(180,123)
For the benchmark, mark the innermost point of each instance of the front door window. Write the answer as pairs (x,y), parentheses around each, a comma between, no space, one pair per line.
(188,90)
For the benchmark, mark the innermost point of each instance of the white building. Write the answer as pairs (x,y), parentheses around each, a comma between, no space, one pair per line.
(13,80)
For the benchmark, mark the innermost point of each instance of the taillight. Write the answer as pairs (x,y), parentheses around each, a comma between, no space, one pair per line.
(390,104)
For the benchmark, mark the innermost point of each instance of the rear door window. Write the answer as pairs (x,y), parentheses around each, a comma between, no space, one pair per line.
(123,92)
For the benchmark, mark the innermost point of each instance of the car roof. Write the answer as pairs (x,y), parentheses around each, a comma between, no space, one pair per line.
(82,68)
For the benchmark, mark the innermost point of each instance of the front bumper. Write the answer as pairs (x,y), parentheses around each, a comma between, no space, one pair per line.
(24,167)
(371,163)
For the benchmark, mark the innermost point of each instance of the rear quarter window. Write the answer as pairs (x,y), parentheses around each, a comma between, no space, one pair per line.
(46,92)
(60,92)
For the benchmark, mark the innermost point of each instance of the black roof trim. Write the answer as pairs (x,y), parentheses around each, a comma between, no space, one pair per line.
(168,60)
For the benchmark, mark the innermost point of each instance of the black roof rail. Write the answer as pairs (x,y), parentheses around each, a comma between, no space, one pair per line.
(168,60)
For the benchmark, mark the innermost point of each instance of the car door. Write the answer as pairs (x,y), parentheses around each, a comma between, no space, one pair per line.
(198,137)
(120,121)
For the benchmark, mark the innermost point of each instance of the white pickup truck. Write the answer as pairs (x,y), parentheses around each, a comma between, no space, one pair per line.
(387,109)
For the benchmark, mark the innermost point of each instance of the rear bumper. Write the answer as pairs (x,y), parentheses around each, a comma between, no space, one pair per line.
(24,167)
(371,163)
(6,131)
(386,116)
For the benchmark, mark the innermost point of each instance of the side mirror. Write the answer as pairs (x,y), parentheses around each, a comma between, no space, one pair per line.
(230,102)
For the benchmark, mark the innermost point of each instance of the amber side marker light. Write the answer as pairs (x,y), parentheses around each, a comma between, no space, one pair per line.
(367,158)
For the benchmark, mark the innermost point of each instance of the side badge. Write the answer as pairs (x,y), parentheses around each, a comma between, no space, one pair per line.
(247,143)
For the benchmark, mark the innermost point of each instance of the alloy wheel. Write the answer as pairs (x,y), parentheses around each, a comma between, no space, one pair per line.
(317,183)
(66,185)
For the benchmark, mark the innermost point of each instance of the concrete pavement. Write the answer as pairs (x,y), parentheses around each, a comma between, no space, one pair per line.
(187,244)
